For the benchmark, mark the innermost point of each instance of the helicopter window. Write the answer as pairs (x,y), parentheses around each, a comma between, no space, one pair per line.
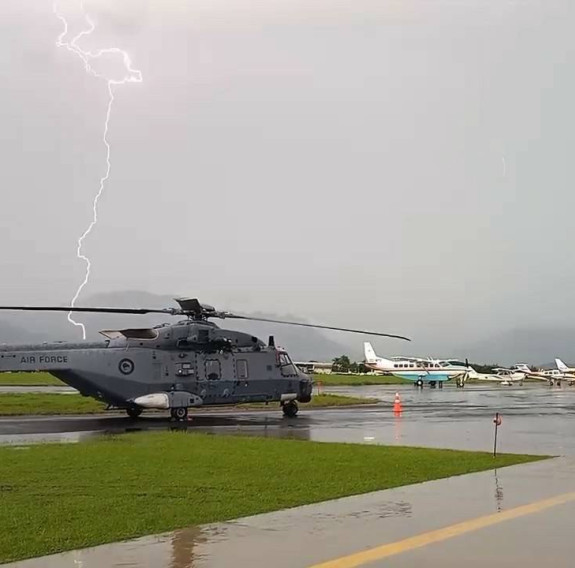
(242,369)
(213,370)
(287,367)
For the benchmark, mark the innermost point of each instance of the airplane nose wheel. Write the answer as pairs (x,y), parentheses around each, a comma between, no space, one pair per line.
(290,409)
(179,414)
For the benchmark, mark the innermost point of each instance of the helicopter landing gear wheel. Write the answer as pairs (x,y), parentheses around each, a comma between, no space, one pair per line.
(180,414)
(134,412)
(290,409)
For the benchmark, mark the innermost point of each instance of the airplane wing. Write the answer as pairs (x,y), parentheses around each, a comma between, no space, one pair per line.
(539,376)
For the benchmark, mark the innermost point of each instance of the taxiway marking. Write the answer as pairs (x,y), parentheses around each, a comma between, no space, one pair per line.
(418,541)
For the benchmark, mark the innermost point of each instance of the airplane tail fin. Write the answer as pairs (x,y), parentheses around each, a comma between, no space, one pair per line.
(370,356)
(561,366)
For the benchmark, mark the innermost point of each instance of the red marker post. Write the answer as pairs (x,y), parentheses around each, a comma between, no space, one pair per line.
(497,421)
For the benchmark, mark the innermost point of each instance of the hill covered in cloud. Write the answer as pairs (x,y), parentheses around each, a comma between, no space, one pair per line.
(531,345)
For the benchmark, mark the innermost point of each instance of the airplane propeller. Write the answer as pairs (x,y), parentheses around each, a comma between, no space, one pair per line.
(193,309)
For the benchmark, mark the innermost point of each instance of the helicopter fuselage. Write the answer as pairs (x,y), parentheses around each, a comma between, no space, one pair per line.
(171,366)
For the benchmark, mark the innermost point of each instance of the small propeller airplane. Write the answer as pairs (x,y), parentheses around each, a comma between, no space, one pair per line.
(505,377)
(519,372)
(433,371)
(568,372)
(556,377)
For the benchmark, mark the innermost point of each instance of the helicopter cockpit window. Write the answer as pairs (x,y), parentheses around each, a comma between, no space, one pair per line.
(242,369)
(286,366)
(213,370)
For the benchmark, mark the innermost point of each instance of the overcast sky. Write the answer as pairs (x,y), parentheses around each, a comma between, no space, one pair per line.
(405,165)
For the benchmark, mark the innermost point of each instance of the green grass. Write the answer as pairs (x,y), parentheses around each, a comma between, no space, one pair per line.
(320,401)
(45,379)
(57,497)
(15,404)
(358,380)
(19,404)
(29,380)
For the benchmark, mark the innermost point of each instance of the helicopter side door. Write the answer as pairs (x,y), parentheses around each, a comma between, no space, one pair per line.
(210,383)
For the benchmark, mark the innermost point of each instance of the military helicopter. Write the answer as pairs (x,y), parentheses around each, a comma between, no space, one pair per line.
(172,367)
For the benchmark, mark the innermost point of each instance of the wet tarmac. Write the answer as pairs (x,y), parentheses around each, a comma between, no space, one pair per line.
(385,525)
(476,520)
(536,419)
(37,389)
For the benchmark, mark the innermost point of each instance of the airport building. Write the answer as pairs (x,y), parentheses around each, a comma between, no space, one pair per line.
(310,367)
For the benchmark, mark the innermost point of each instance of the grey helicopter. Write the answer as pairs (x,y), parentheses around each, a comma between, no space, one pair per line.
(173,367)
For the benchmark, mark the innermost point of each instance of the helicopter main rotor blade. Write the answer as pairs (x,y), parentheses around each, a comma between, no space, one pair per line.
(138,311)
(235,316)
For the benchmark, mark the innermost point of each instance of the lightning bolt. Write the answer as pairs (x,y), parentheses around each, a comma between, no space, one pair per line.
(131,75)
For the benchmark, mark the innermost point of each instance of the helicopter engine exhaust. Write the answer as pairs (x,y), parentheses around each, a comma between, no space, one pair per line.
(159,400)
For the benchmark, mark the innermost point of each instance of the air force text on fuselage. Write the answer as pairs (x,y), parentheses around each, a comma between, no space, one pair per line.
(36,359)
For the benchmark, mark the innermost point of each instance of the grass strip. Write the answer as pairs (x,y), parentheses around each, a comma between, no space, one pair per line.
(58,497)
(29,380)
(358,380)
(21,404)
(45,379)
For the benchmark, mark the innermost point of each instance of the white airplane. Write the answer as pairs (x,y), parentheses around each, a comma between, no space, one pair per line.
(554,376)
(432,371)
(569,372)
(505,377)
(562,373)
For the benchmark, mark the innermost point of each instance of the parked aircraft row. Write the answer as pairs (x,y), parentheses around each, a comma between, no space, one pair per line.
(436,371)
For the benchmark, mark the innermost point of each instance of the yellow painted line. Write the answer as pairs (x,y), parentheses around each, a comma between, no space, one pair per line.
(393,548)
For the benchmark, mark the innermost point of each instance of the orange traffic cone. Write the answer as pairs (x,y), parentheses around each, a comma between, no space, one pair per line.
(397,404)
